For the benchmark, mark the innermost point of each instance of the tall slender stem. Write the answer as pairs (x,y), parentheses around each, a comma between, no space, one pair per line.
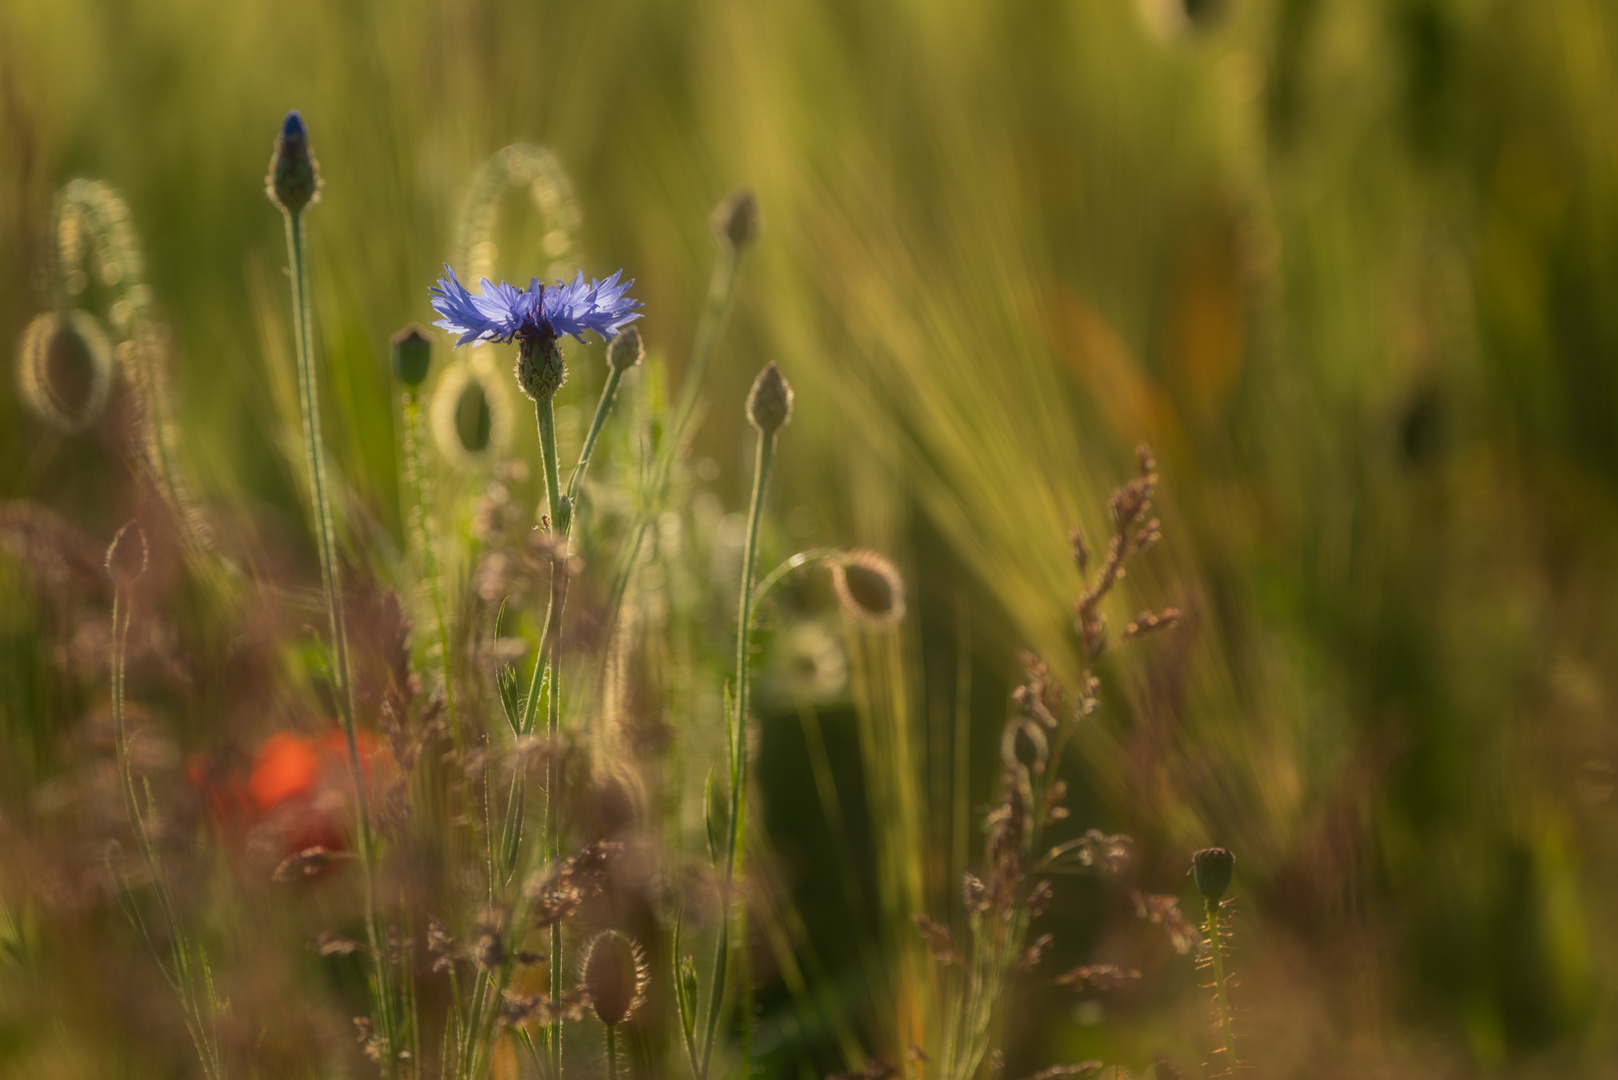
(575,482)
(612,1052)
(429,561)
(560,517)
(309,399)
(720,286)
(737,746)
(1216,948)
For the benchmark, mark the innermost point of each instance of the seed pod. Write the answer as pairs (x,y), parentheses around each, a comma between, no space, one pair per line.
(769,405)
(412,355)
(735,220)
(64,369)
(869,587)
(626,350)
(293,182)
(614,977)
(1212,869)
(127,555)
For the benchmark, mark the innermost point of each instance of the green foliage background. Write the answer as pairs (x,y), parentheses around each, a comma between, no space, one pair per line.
(1348,267)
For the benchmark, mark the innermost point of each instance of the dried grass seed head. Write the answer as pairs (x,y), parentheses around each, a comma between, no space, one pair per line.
(614,976)
(869,587)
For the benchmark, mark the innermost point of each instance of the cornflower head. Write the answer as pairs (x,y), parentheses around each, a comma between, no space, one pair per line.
(535,318)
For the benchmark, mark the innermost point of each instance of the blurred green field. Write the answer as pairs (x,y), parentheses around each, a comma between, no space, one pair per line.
(1349,268)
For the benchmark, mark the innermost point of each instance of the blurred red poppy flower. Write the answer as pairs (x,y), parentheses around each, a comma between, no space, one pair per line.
(298,795)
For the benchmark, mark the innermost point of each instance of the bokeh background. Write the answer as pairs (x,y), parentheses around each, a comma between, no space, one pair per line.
(1348,267)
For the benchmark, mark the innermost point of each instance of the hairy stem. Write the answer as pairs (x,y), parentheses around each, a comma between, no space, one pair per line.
(560,522)
(737,746)
(1221,991)
(309,399)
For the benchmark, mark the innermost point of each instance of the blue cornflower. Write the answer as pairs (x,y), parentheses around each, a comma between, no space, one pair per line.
(537,315)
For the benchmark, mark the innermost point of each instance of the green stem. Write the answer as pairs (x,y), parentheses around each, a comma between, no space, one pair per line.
(612,1052)
(309,399)
(575,482)
(560,522)
(737,746)
(603,406)
(429,562)
(1221,991)
(720,286)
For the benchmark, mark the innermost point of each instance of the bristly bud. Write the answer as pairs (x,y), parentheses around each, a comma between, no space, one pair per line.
(540,368)
(614,977)
(869,587)
(625,350)
(127,555)
(293,182)
(1212,869)
(65,369)
(769,406)
(735,220)
(412,355)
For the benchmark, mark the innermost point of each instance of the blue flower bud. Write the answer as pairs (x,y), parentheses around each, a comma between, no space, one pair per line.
(293,182)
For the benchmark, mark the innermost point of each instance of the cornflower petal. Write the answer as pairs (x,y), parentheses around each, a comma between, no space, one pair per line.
(503,311)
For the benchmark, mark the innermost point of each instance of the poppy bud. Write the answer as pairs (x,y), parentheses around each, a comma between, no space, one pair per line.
(412,355)
(869,587)
(293,182)
(64,366)
(614,977)
(735,220)
(626,350)
(1212,869)
(769,406)
(126,555)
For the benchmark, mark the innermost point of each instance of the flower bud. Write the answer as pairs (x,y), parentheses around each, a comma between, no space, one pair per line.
(769,406)
(412,355)
(540,368)
(869,587)
(614,977)
(626,350)
(127,555)
(64,366)
(294,178)
(735,220)
(1212,868)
